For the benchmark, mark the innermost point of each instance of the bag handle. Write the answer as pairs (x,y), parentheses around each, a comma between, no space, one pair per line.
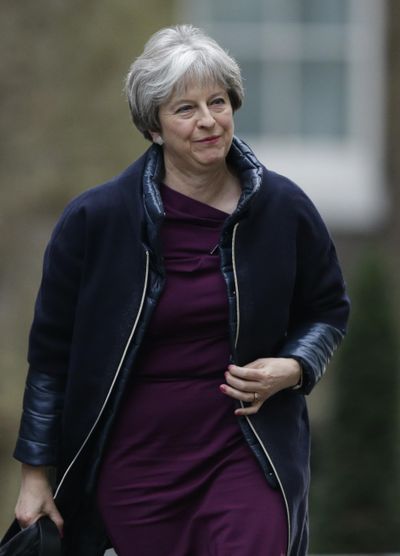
(43,533)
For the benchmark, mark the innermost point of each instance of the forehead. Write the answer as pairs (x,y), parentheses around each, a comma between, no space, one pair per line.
(189,88)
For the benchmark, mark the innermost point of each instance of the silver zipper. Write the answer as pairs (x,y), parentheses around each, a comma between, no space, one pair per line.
(241,403)
(115,376)
(236,284)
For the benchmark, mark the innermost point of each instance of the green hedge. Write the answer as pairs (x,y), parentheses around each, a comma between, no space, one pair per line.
(358,506)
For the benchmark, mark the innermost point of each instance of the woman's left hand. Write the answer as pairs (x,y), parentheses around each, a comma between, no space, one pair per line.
(259,380)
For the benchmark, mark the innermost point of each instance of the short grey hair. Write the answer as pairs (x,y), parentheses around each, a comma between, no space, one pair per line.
(172,58)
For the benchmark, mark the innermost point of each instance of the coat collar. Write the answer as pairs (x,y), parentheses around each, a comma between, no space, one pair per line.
(240,157)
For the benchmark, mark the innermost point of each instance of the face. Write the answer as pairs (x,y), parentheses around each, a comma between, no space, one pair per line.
(197,128)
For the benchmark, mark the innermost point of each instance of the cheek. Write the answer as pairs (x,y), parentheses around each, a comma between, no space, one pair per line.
(183,131)
(228,122)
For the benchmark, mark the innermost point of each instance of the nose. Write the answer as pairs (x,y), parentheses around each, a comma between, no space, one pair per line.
(205,119)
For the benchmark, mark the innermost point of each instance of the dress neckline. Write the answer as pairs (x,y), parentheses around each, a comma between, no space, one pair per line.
(183,203)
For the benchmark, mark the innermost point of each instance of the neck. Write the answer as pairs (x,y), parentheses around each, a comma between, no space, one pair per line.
(217,187)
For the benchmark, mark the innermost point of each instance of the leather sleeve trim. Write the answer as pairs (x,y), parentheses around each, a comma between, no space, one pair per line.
(40,428)
(313,346)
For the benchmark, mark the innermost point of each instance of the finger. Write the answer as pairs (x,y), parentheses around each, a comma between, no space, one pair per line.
(258,363)
(25,519)
(55,516)
(240,384)
(237,394)
(250,410)
(247,373)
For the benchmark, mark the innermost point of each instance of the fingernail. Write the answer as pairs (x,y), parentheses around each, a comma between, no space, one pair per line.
(222,387)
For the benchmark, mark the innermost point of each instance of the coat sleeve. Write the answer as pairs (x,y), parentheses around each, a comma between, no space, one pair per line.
(49,343)
(320,306)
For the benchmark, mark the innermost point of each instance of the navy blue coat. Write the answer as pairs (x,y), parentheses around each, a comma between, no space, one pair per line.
(103,273)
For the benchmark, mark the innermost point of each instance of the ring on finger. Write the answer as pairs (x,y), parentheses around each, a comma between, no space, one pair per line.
(256,397)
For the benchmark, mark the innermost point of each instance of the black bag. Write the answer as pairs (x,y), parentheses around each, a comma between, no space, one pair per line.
(39,539)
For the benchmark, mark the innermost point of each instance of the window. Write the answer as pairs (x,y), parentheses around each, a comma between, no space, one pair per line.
(313,75)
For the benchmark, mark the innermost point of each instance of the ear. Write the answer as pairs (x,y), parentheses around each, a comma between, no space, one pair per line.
(156,137)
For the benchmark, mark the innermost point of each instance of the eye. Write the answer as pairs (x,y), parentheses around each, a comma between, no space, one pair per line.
(218,103)
(219,100)
(185,108)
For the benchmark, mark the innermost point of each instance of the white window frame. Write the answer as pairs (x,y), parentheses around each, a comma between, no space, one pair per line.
(343,175)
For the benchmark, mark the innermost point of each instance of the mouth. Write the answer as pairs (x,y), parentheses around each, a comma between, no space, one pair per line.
(209,140)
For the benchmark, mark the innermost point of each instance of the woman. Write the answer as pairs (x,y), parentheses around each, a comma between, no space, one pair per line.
(185,309)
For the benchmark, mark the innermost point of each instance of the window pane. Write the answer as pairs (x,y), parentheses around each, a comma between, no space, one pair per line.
(236,10)
(308,11)
(282,10)
(284,98)
(324,11)
(249,118)
(324,92)
(280,98)
(272,103)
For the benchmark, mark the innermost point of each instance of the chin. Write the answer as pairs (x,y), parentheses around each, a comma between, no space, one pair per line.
(213,158)
(212,161)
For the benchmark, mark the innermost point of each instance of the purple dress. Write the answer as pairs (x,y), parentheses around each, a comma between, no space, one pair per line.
(178,478)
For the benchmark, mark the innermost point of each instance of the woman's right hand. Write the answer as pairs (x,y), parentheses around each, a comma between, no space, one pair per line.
(36,498)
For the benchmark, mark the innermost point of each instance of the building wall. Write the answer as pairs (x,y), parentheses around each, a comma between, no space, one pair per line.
(393,122)
(314,82)
(65,126)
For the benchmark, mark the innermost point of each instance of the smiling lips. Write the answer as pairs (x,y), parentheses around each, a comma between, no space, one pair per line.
(209,140)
